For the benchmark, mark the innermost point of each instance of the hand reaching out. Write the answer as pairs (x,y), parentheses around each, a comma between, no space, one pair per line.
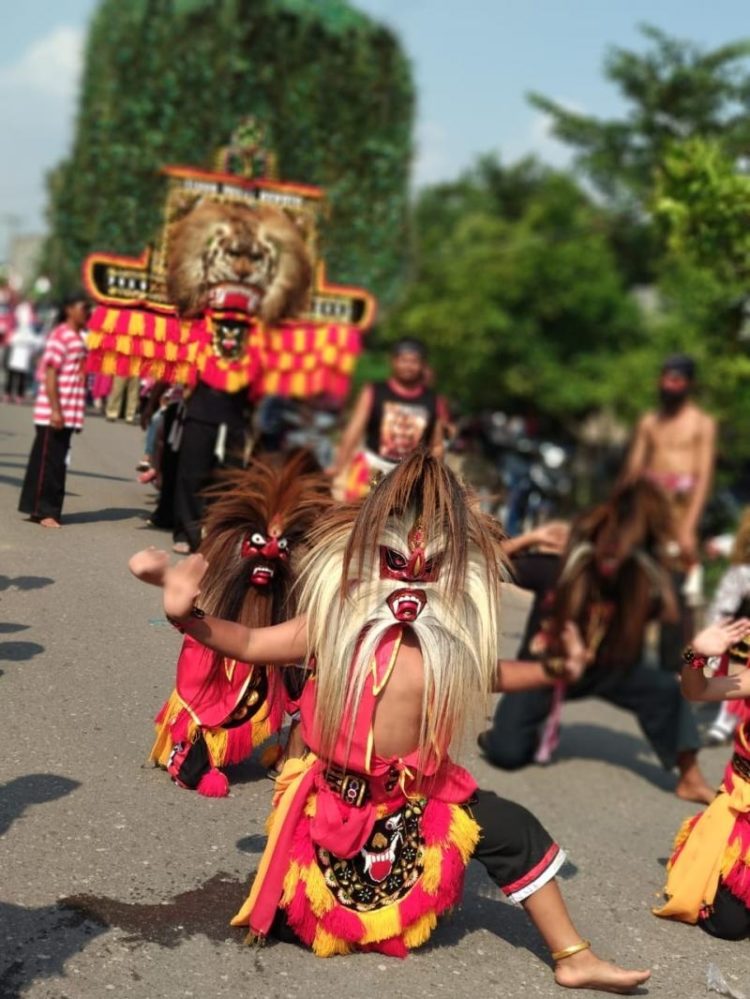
(182,585)
(576,653)
(552,537)
(717,638)
(149,565)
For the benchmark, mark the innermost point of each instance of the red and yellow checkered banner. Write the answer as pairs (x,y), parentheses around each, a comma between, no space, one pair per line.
(295,358)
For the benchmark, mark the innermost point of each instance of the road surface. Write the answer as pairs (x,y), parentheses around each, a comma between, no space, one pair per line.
(115,882)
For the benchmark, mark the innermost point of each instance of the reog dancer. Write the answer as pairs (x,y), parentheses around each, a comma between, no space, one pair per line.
(371,832)
(709,871)
(222,708)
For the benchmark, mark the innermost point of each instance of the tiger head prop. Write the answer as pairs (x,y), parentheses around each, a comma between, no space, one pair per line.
(231,256)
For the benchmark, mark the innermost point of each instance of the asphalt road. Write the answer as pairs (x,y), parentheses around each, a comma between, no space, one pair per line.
(115,882)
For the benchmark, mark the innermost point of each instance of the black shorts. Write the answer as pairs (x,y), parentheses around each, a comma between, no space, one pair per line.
(514,848)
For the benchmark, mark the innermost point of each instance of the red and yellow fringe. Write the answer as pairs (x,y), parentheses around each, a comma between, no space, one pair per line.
(225,745)
(300,359)
(735,861)
(329,928)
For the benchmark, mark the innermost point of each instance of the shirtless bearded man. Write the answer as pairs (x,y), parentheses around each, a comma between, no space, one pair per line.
(372,830)
(675,447)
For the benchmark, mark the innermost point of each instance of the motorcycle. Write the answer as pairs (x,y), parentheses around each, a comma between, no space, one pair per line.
(534,474)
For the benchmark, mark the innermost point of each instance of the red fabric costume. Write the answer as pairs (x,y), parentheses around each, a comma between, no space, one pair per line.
(320,821)
(222,709)
(235,708)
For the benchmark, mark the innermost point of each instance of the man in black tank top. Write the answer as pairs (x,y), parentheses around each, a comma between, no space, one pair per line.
(395,416)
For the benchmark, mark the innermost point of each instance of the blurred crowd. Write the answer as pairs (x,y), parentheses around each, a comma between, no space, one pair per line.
(522,474)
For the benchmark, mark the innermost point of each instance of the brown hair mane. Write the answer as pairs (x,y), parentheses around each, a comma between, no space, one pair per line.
(631,529)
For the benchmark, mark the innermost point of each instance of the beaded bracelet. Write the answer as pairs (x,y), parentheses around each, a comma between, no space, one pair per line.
(693,659)
(554,666)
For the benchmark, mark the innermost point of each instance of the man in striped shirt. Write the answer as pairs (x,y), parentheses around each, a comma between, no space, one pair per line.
(58,414)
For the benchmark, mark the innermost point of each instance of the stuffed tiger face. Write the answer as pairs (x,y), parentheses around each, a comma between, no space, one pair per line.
(225,255)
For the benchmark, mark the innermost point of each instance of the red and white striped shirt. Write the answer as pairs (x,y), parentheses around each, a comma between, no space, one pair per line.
(64,351)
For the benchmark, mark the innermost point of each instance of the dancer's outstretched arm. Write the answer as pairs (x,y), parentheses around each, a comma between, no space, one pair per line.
(715,641)
(515,675)
(149,565)
(279,644)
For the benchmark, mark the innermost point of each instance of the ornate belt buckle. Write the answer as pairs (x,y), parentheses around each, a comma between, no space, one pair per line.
(353,790)
(739,654)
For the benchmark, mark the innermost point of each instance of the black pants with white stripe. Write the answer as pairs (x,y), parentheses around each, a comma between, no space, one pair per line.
(514,847)
(43,488)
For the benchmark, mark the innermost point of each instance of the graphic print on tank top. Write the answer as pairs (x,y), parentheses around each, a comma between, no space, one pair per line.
(402,428)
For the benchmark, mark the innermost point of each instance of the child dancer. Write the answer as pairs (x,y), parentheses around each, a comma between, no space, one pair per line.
(733,590)
(372,830)
(709,871)
(221,709)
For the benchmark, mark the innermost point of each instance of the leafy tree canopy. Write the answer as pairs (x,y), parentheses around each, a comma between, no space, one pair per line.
(166,81)
(675,91)
(517,291)
(703,201)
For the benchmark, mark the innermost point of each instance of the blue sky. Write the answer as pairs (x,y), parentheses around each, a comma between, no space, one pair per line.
(473,60)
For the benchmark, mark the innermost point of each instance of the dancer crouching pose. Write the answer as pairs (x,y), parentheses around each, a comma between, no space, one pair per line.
(253,535)
(709,871)
(372,830)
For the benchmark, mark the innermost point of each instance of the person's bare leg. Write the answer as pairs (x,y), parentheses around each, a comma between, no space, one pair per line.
(583,970)
(49,522)
(692,785)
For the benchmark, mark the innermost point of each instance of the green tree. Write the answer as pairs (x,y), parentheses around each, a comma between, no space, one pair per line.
(517,291)
(166,81)
(674,91)
(703,201)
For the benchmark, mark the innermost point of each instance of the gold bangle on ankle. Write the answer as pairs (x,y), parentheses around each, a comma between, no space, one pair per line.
(560,955)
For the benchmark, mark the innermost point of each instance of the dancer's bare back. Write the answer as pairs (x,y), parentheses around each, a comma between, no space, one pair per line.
(399,708)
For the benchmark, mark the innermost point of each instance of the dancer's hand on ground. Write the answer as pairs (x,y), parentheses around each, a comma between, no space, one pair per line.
(576,654)
(149,565)
(182,586)
(717,638)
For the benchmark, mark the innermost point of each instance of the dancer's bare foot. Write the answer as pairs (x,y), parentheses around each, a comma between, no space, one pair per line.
(587,971)
(692,788)
(49,522)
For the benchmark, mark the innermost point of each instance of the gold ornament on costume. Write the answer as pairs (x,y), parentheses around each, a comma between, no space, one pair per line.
(739,654)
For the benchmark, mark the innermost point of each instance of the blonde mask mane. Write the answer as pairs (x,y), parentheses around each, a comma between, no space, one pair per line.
(457,630)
